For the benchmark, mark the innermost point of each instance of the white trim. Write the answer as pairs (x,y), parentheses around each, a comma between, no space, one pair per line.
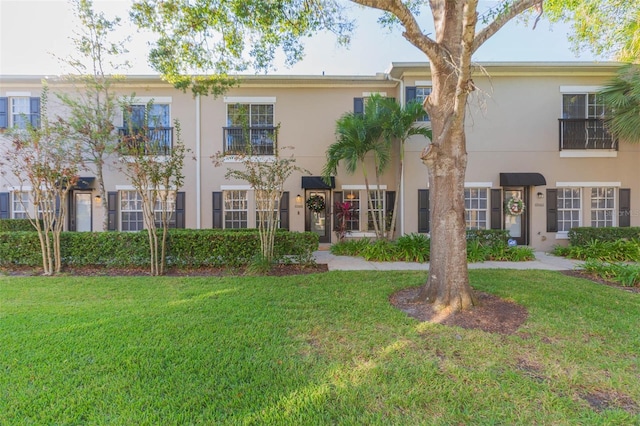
(362,187)
(155,99)
(588,184)
(249,99)
(478,184)
(589,153)
(25,188)
(580,89)
(125,188)
(254,158)
(235,187)
(18,94)
(360,234)
(424,83)
(564,235)
(368,94)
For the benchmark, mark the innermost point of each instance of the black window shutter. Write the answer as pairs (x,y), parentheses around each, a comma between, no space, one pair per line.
(284,211)
(410,94)
(496,209)
(358,105)
(217,210)
(112,211)
(35,112)
(5,198)
(180,206)
(552,210)
(337,198)
(390,201)
(624,214)
(423,211)
(4,116)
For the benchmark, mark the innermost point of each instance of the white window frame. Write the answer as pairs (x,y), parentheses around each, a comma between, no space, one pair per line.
(378,205)
(609,212)
(473,207)
(171,210)
(234,203)
(17,114)
(20,207)
(132,199)
(353,224)
(562,232)
(426,89)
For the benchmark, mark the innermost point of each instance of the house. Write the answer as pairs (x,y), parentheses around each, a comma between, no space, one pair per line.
(534,133)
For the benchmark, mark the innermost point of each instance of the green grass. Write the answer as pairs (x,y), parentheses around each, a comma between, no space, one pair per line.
(314,349)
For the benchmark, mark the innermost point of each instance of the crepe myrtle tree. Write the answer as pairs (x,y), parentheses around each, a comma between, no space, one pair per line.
(267,177)
(46,163)
(93,104)
(230,35)
(156,173)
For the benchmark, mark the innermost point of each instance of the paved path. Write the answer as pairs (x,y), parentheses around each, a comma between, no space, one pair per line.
(348,263)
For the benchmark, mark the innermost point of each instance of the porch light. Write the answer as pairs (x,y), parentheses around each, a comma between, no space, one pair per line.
(98,199)
(299,201)
(540,195)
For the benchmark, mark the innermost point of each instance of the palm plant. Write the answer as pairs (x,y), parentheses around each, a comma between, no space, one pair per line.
(399,124)
(357,137)
(621,97)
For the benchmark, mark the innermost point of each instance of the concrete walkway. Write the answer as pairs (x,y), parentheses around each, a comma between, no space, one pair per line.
(347,263)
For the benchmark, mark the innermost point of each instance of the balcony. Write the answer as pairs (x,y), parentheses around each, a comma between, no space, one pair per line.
(149,141)
(585,134)
(249,141)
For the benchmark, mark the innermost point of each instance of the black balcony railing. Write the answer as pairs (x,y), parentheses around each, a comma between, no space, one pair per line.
(147,141)
(585,133)
(249,141)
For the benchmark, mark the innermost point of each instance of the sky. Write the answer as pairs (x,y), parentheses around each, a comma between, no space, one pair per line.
(33,31)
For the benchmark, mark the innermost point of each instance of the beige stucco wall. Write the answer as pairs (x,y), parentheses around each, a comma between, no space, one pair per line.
(512,126)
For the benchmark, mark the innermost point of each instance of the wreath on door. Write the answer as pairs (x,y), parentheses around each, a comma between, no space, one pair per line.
(315,203)
(514,207)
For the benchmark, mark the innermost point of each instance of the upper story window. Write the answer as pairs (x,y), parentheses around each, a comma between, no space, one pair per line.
(19,111)
(582,122)
(147,127)
(250,129)
(419,93)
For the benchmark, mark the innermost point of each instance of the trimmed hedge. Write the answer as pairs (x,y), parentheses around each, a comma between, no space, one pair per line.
(582,236)
(186,248)
(14,225)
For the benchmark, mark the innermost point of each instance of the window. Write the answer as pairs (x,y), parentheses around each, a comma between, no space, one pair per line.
(353,197)
(20,112)
(475,204)
(602,207)
(155,120)
(132,218)
(568,208)
(170,208)
(262,209)
(378,208)
(421,95)
(235,209)
(582,122)
(250,129)
(20,204)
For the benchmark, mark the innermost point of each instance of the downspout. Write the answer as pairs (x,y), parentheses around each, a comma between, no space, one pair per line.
(198,164)
(402,216)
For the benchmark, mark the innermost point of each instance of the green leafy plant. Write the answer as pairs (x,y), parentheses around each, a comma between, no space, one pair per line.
(627,275)
(413,248)
(380,251)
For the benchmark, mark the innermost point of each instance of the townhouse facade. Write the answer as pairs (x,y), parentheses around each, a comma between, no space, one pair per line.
(535,134)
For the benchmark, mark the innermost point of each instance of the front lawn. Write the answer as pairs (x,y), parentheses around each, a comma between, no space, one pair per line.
(311,349)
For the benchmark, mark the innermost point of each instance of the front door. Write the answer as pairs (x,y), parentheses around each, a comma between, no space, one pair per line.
(517,224)
(81,216)
(318,220)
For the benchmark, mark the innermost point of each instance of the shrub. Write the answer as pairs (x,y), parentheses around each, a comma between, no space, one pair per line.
(625,274)
(584,235)
(350,247)
(413,248)
(380,251)
(185,248)
(605,251)
(14,225)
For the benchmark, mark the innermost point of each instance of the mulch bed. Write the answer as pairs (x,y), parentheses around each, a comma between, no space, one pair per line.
(596,279)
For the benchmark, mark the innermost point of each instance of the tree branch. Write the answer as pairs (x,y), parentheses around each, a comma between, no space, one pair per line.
(501,20)
(413,33)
